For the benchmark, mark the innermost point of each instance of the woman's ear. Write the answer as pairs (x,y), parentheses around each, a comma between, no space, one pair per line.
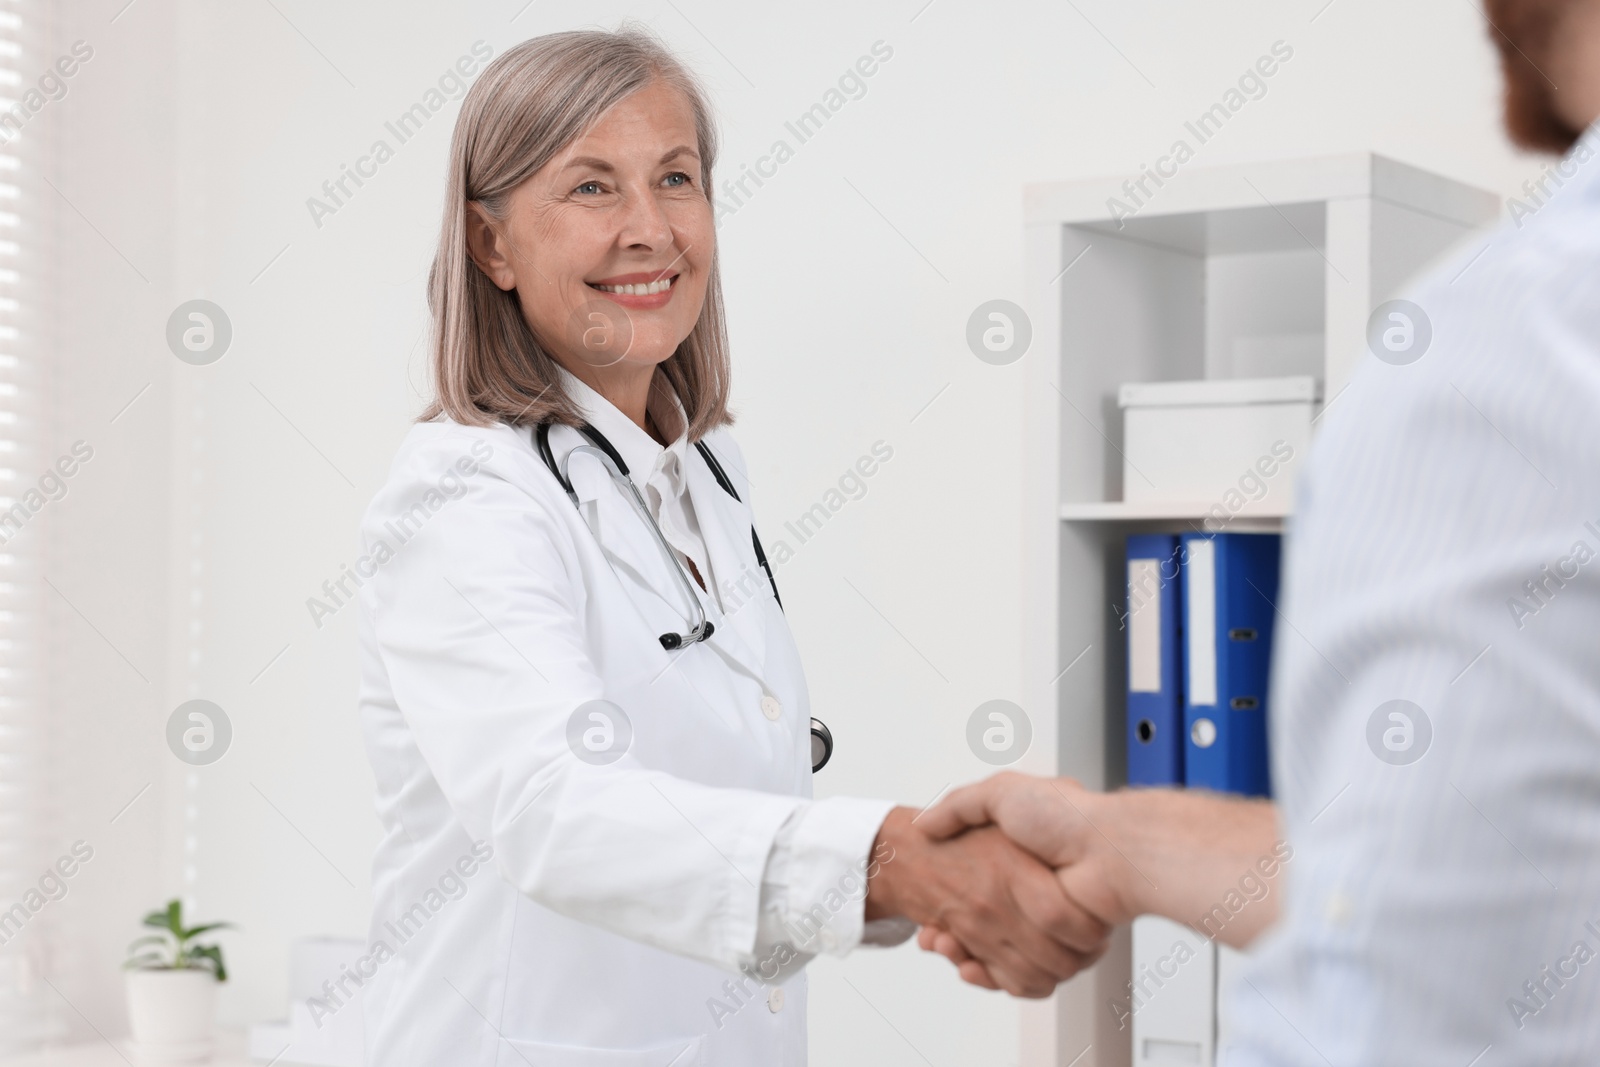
(487,248)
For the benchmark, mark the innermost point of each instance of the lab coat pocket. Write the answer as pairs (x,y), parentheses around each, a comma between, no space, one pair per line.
(689,1053)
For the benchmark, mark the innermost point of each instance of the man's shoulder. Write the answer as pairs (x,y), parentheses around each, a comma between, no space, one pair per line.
(1498,393)
(1532,262)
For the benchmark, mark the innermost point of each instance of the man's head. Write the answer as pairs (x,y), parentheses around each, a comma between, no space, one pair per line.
(1548,51)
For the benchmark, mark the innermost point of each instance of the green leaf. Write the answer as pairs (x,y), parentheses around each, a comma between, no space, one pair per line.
(196,931)
(178,953)
(149,939)
(214,954)
(140,949)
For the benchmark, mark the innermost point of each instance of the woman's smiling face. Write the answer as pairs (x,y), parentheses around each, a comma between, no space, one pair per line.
(609,245)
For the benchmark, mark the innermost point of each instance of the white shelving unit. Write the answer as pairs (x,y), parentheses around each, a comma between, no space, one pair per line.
(1268,514)
(1256,270)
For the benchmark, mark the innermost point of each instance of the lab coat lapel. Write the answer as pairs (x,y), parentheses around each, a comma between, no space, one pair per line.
(623,534)
(725,526)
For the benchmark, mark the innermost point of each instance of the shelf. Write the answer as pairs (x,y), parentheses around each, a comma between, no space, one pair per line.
(1225,275)
(1257,191)
(1165,510)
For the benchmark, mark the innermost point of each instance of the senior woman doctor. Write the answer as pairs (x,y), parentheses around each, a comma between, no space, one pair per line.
(659,875)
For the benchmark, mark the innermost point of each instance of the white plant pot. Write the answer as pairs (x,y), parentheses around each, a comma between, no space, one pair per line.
(172,1015)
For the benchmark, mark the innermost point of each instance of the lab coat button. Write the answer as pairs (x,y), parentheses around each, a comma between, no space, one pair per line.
(771,708)
(775,999)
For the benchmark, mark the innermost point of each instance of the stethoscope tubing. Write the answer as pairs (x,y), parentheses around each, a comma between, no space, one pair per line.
(607,454)
(702,628)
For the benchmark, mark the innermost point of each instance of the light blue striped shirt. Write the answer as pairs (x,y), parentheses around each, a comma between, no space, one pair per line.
(1445,552)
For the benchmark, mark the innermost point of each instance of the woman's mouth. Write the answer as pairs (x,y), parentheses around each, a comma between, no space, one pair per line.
(646,290)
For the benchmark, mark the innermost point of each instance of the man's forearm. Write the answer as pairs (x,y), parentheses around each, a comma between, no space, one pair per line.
(1209,861)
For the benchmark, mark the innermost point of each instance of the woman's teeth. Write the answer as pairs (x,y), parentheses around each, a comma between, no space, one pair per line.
(640,290)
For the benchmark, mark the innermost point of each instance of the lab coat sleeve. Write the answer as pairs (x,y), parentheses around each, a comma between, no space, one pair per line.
(813,896)
(476,616)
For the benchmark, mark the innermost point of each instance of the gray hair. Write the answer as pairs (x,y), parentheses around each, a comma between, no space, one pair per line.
(528,105)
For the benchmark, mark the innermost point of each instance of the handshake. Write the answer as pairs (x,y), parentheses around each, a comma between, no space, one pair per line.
(1020,880)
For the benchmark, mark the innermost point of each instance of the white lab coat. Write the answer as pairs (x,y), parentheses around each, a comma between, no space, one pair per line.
(618,898)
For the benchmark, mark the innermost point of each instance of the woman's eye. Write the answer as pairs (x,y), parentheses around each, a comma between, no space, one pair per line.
(677,180)
(588,188)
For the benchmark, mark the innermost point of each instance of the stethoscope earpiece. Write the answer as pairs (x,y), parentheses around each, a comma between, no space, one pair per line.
(673,642)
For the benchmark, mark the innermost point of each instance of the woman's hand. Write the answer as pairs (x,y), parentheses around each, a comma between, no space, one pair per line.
(999,902)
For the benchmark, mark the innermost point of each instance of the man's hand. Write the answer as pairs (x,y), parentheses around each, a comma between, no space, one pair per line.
(1005,906)
(1059,821)
(1166,852)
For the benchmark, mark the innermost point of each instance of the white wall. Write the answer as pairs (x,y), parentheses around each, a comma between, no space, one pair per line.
(228,494)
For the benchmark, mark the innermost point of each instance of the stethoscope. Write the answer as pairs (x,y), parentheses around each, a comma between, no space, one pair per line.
(603,450)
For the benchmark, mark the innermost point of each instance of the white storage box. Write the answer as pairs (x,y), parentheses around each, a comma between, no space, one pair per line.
(1231,445)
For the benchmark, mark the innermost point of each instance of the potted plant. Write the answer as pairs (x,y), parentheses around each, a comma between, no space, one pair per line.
(172,989)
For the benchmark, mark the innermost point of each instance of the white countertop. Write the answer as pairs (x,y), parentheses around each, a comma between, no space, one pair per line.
(231,1052)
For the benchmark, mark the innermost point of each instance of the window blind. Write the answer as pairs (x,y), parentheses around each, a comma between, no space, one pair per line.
(31,1014)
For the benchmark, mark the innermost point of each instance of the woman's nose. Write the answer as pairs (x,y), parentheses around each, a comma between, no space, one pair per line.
(644,223)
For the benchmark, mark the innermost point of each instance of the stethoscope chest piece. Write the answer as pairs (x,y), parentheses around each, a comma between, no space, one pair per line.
(821,745)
